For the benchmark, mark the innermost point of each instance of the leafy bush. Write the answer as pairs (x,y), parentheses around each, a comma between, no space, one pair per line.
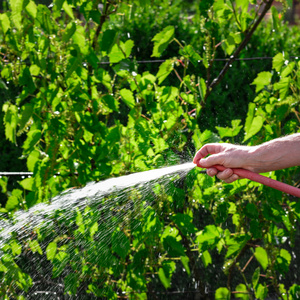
(84,110)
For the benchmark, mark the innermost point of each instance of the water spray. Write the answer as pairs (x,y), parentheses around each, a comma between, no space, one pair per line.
(283,187)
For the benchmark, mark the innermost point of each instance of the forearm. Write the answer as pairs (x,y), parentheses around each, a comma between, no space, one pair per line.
(277,154)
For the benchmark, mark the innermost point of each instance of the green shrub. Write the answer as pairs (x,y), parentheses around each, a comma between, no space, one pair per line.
(79,120)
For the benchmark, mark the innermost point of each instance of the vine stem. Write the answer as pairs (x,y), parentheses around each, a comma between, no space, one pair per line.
(243,44)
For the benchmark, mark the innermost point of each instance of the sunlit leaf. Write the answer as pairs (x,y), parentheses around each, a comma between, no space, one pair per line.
(278,61)
(243,293)
(161,40)
(69,31)
(16,8)
(164,70)
(222,294)
(51,250)
(263,79)
(254,128)
(5,22)
(165,273)
(31,9)
(35,247)
(262,257)
(68,9)
(127,97)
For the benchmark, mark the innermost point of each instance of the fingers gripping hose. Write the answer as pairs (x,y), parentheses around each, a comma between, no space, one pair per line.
(283,187)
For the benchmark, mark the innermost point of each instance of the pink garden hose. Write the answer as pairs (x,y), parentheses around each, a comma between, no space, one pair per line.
(263,179)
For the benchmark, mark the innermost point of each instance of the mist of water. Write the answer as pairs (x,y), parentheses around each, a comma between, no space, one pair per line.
(106,196)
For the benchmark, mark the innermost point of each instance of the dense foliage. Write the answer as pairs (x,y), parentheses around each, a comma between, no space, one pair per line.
(80,108)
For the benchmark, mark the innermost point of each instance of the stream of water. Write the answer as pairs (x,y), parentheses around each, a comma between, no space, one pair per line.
(93,195)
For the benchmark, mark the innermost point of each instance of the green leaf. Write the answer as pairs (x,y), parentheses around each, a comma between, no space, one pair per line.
(164,70)
(229,44)
(294,292)
(27,184)
(74,63)
(262,257)
(165,273)
(5,22)
(33,157)
(222,294)
(35,247)
(120,243)
(51,250)
(235,245)
(286,255)
(59,4)
(255,127)
(127,47)
(108,40)
(190,53)
(251,211)
(3,85)
(69,31)
(16,12)
(278,61)
(202,88)
(261,292)
(263,79)
(283,87)
(255,277)
(184,224)
(127,97)
(3,184)
(31,9)
(71,283)
(59,263)
(173,247)
(26,80)
(161,40)
(230,132)
(33,138)
(27,111)
(163,278)
(116,54)
(68,9)
(79,39)
(209,237)
(244,294)
(13,201)
(206,258)
(288,69)
(185,262)
(111,102)
(93,229)
(10,121)
(15,248)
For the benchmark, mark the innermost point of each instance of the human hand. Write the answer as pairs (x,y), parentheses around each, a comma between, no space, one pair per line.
(228,155)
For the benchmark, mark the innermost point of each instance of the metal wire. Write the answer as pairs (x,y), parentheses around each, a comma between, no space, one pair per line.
(16,173)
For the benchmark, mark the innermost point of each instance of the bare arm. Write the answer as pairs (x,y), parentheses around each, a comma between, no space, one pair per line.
(277,154)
